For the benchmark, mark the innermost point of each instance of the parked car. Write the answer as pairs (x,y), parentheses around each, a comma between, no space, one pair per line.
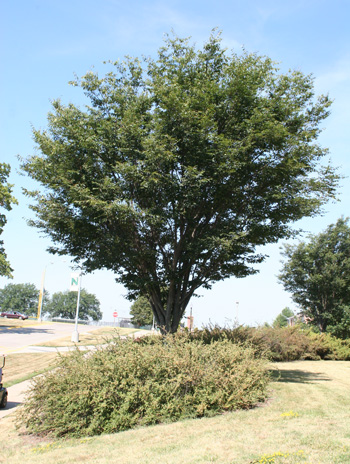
(14,315)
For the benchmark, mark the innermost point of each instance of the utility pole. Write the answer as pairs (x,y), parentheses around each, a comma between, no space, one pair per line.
(190,320)
(41,294)
(75,334)
(236,322)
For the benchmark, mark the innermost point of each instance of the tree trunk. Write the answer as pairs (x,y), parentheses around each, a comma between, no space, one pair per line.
(168,319)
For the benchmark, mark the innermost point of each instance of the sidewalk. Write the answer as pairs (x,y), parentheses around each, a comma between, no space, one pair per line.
(16,396)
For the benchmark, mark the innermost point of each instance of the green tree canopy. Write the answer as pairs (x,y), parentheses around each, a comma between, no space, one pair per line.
(141,312)
(317,273)
(179,168)
(64,305)
(20,297)
(6,202)
(282,319)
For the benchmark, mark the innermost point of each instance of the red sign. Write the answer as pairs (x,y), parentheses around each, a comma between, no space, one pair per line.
(115,314)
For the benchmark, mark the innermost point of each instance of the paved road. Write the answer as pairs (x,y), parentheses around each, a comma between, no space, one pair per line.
(14,339)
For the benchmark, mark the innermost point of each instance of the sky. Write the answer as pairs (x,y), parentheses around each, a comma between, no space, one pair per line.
(45,43)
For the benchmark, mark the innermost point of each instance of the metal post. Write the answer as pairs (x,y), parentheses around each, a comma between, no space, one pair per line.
(41,296)
(75,334)
(191,320)
(237,304)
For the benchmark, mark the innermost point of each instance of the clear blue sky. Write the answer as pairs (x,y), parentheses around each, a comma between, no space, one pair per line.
(43,43)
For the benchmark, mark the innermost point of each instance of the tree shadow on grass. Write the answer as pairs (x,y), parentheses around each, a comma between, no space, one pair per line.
(298,376)
(4,329)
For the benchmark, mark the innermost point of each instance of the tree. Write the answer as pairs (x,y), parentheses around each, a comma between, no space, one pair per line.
(179,168)
(6,202)
(64,305)
(282,319)
(141,312)
(20,297)
(317,273)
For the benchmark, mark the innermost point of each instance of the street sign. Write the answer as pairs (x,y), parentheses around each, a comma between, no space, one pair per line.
(115,314)
(74,282)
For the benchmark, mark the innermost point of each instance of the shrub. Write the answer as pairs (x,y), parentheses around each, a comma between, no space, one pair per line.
(242,335)
(289,344)
(130,384)
(294,343)
(334,348)
(281,344)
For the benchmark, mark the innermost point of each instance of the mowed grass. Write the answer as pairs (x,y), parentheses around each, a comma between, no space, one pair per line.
(23,366)
(95,337)
(4,322)
(306,420)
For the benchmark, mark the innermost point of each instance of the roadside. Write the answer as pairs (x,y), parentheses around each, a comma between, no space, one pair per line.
(23,366)
(99,336)
(26,362)
(17,336)
(16,396)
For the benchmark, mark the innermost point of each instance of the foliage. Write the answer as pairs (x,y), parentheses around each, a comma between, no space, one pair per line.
(290,344)
(241,335)
(179,168)
(317,273)
(6,202)
(282,319)
(21,297)
(141,312)
(130,384)
(64,305)
(280,343)
(332,347)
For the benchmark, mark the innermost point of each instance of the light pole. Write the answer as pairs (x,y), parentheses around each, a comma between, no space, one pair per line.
(75,334)
(237,304)
(41,294)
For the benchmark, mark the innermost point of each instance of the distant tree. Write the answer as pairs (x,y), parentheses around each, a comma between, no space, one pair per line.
(21,297)
(317,273)
(179,167)
(6,200)
(141,312)
(64,305)
(282,319)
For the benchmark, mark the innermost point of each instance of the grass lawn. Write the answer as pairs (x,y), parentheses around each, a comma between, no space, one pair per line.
(24,366)
(18,322)
(306,420)
(95,337)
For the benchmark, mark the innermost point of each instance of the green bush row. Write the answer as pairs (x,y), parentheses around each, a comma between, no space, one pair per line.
(281,344)
(128,384)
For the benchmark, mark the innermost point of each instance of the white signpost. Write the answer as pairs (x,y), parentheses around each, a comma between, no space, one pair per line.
(75,286)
